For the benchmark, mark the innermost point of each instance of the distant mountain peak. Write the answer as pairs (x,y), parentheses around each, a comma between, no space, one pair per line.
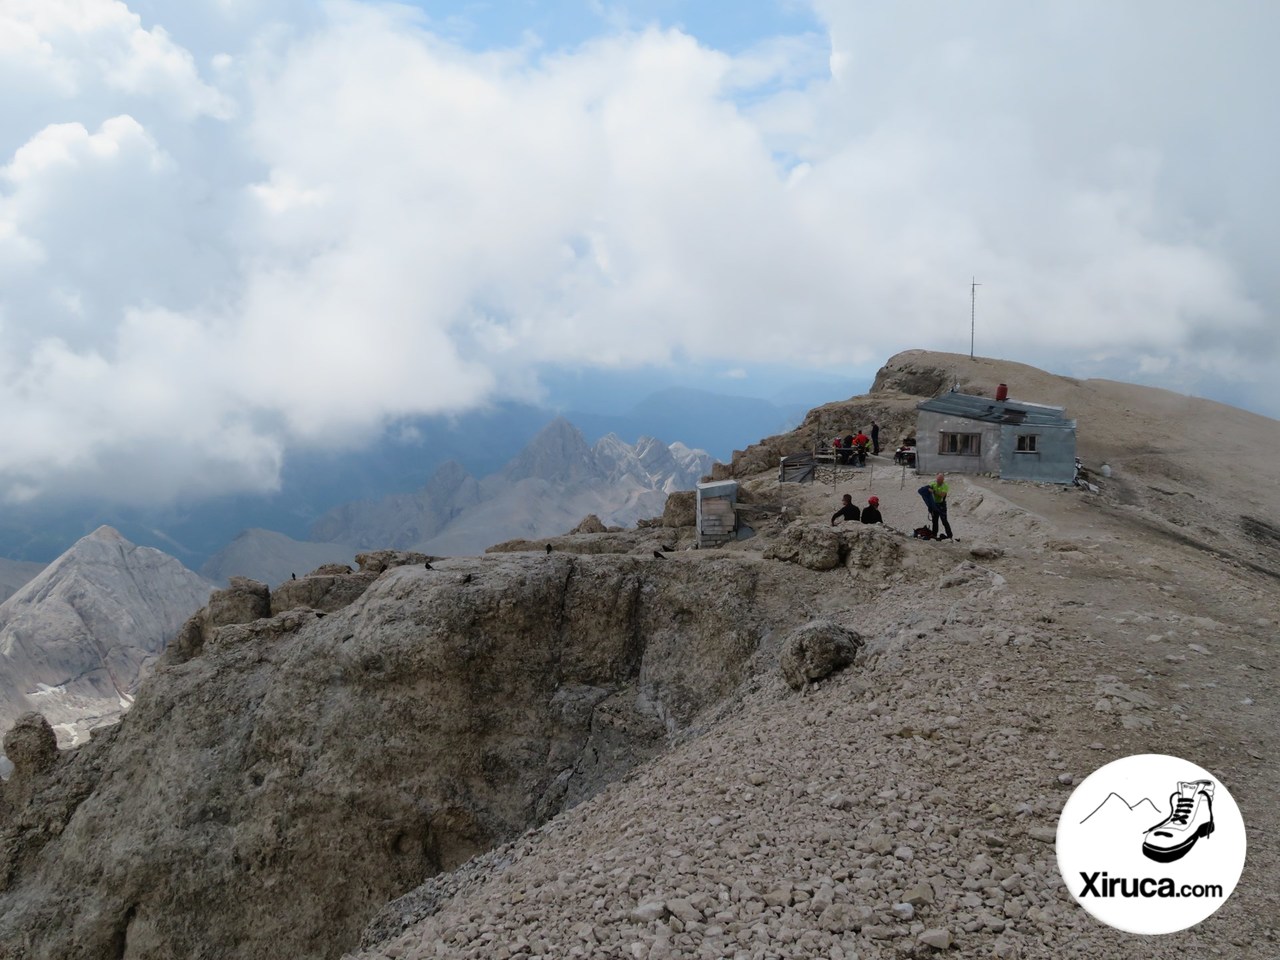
(79,636)
(558,454)
(446,479)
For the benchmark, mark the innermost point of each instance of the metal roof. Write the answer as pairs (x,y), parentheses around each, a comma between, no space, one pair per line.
(997,411)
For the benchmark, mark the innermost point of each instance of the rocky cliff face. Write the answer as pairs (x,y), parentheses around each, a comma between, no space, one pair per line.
(76,639)
(352,755)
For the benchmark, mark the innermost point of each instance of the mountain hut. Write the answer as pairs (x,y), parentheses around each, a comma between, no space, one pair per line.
(1011,439)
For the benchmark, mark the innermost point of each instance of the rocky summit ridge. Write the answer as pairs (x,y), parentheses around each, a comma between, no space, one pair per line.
(818,742)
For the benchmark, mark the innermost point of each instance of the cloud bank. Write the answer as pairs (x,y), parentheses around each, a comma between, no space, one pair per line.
(227,230)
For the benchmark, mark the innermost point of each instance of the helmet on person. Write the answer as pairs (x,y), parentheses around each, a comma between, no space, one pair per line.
(874,501)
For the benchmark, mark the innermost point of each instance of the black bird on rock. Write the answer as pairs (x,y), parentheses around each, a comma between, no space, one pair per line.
(428,565)
(548,548)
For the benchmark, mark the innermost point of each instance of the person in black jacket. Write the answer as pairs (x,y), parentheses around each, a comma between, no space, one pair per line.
(871,512)
(847,510)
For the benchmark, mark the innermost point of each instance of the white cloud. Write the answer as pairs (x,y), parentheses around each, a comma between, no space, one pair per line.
(351,219)
(66,47)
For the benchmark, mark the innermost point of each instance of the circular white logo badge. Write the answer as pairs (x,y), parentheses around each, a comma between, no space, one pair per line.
(1151,844)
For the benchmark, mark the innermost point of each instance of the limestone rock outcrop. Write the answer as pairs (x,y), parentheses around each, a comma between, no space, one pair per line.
(31,745)
(681,509)
(817,546)
(817,650)
(328,589)
(275,786)
(589,524)
(812,545)
(243,600)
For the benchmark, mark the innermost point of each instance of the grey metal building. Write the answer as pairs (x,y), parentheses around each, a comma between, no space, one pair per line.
(962,433)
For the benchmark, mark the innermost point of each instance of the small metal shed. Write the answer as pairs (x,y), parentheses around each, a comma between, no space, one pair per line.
(717,521)
(1012,439)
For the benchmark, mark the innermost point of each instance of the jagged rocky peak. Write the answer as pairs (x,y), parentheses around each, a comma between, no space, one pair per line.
(76,641)
(617,459)
(558,454)
(673,466)
(652,463)
(655,456)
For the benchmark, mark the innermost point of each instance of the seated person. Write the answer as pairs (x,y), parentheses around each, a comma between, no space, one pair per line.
(871,512)
(847,445)
(847,510)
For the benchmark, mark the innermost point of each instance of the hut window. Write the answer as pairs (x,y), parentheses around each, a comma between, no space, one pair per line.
(960,444)
(1027,443)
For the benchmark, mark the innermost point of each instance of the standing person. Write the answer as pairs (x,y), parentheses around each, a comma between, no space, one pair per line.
(939,490)
(847,510)
(860,443)
(875,438)
(871,512)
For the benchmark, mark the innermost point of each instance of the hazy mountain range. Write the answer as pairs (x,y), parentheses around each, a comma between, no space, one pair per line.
(400,462)
(545,489)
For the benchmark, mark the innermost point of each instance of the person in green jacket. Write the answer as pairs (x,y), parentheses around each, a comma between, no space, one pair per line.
(939,490)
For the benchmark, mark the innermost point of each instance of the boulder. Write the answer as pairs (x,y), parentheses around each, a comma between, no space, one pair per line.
(814,546)
(244,600)
(589,524)
(870,548)
(31,746)
(817,650)
(986,551)
(681,509)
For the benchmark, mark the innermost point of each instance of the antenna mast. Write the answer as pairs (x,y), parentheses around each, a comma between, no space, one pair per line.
(973,301)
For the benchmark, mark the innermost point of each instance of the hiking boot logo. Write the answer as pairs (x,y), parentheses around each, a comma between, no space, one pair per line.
(1190,818)
(1126,856)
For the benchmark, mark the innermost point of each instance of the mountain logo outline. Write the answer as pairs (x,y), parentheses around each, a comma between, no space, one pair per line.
(1130,807)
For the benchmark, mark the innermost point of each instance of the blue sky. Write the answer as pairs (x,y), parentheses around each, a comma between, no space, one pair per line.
(732,27)
(232,229)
